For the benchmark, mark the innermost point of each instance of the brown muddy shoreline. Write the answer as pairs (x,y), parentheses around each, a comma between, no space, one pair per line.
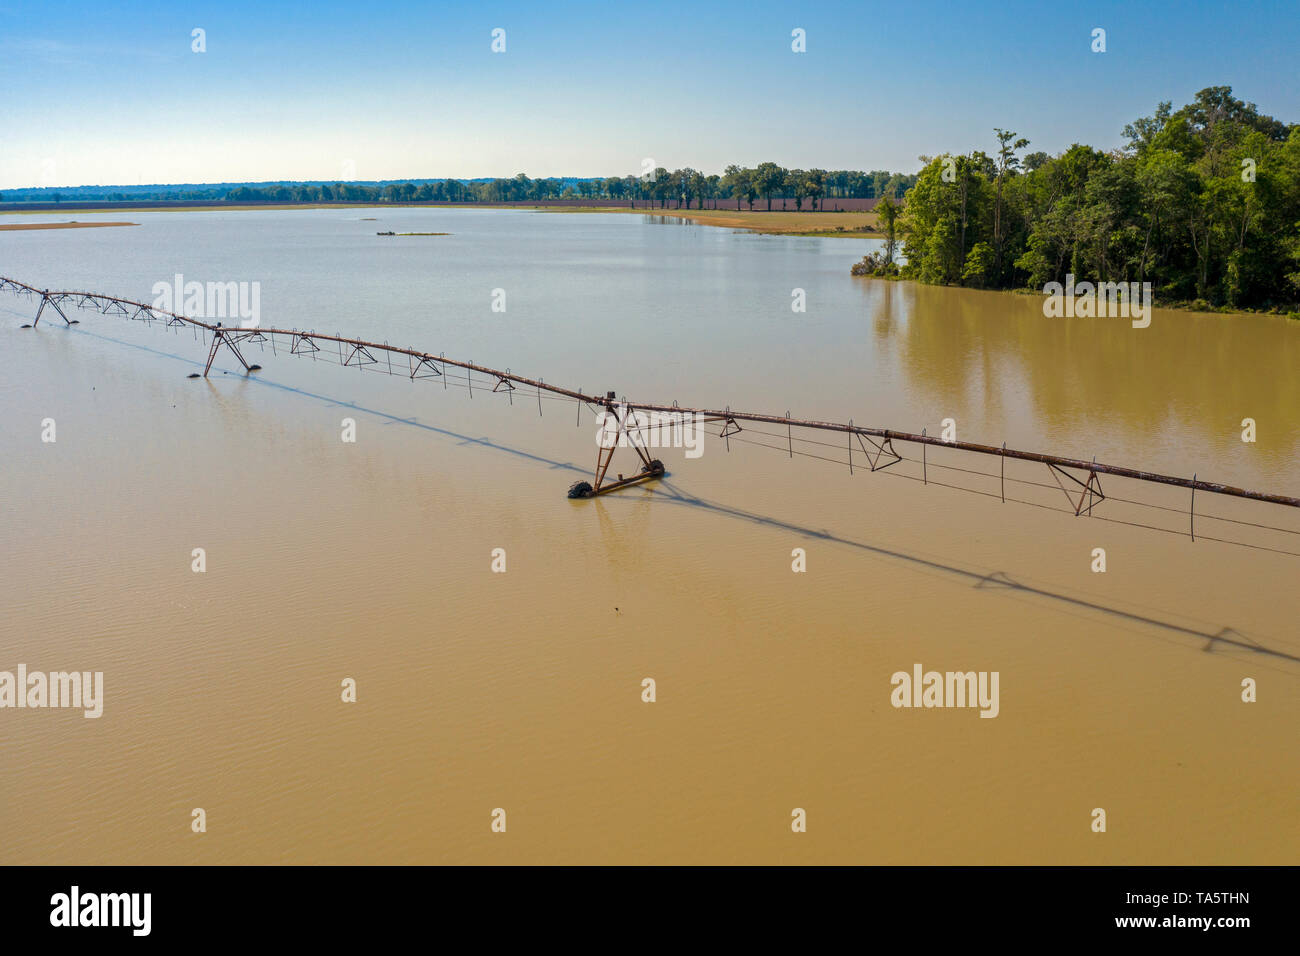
(19,227)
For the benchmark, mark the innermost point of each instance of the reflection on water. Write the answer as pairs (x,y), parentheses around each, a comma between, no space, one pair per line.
(1176,390)
(476,690)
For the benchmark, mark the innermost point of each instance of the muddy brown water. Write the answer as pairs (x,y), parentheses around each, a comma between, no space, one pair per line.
(522,690)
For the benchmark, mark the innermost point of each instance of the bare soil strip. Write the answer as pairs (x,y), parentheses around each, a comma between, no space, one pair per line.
(14,227)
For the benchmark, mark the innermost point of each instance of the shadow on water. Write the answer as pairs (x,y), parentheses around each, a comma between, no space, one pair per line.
(670,493)
(485,442)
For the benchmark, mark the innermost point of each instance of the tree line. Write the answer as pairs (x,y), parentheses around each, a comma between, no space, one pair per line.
(1202,202)
(678,188)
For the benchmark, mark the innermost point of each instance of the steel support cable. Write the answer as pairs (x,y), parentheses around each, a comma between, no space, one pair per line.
(843,463)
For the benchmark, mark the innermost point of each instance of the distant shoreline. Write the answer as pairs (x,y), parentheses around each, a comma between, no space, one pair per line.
(836,224)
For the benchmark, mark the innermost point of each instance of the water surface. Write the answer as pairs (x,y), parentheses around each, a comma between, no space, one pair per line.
(522,690)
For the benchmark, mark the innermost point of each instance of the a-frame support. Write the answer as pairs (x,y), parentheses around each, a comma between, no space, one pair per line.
(610,440)
(1089,492)
(229,339)
(47,299)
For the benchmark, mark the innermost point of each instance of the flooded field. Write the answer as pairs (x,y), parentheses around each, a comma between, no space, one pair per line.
(477,690)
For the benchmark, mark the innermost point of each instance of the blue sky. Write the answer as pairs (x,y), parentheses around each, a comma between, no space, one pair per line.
(95,93)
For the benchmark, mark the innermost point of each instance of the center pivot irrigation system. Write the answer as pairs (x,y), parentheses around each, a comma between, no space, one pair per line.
(1079,480)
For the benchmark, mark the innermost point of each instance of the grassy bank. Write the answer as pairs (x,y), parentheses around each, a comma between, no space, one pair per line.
(776,223)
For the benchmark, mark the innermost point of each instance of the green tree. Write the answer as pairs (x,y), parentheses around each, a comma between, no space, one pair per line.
(815,186)
(698,187)
(733,181)
(796,185)
(1008,163)
(980,267)
(887,213)
(768,178)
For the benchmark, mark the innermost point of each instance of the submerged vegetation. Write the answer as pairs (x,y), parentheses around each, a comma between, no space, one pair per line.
(1203,203)
(882,263)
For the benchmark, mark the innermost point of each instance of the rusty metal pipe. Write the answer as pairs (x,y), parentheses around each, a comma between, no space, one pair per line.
(607,401)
